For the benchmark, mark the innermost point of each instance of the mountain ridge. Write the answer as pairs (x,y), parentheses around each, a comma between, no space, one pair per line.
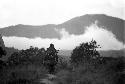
(74,26)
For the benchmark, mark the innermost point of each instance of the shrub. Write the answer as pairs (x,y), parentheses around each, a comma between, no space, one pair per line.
(109,73)
(28,74)
(86,52)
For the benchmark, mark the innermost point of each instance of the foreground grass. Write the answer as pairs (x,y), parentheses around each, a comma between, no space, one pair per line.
(23,74)
(110,72)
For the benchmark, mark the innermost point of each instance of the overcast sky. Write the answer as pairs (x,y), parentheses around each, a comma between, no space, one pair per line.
(40,12)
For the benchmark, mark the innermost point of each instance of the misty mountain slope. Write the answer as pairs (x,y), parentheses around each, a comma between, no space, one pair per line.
(74,26)
(115,25)
(45,31)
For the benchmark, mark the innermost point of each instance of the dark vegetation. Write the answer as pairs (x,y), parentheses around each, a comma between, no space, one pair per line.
(85,66)
(89,67)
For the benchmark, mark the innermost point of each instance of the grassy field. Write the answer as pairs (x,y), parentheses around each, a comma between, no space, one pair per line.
(29,71)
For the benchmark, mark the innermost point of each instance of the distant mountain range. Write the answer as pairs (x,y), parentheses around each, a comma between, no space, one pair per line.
(74,26)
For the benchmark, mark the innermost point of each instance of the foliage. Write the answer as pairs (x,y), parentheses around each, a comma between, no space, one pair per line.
(28,56)
(14,58)
(108,73)
(2,52)
(28,66)
(86,52)
(33,55)
(24,66)
(63,64)
(22,74)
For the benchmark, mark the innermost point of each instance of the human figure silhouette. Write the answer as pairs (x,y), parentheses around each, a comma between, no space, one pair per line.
(51,58)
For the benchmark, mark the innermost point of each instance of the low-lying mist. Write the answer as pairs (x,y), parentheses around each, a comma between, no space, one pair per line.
(105,38)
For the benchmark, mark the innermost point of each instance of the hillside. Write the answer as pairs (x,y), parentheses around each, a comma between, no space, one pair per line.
(74,26)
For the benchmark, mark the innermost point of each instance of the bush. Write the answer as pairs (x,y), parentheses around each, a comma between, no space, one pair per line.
(86,52)
(109,73)
(28,74)
(28,56)
(63,64)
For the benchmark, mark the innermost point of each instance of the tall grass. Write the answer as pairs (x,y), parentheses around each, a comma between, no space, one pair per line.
(109,72)
(22,74)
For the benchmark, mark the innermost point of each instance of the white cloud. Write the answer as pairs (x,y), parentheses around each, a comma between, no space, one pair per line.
(103,37)
(63,33)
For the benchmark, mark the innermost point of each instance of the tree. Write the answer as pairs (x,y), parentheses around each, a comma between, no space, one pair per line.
(51,58)
(41,55)
(14,59)
(2,52)
(86,52)
(33,55)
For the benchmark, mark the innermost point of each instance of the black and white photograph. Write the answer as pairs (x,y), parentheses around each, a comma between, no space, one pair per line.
(62,41)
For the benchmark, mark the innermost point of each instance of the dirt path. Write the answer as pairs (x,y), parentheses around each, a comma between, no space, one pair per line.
(48,79)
